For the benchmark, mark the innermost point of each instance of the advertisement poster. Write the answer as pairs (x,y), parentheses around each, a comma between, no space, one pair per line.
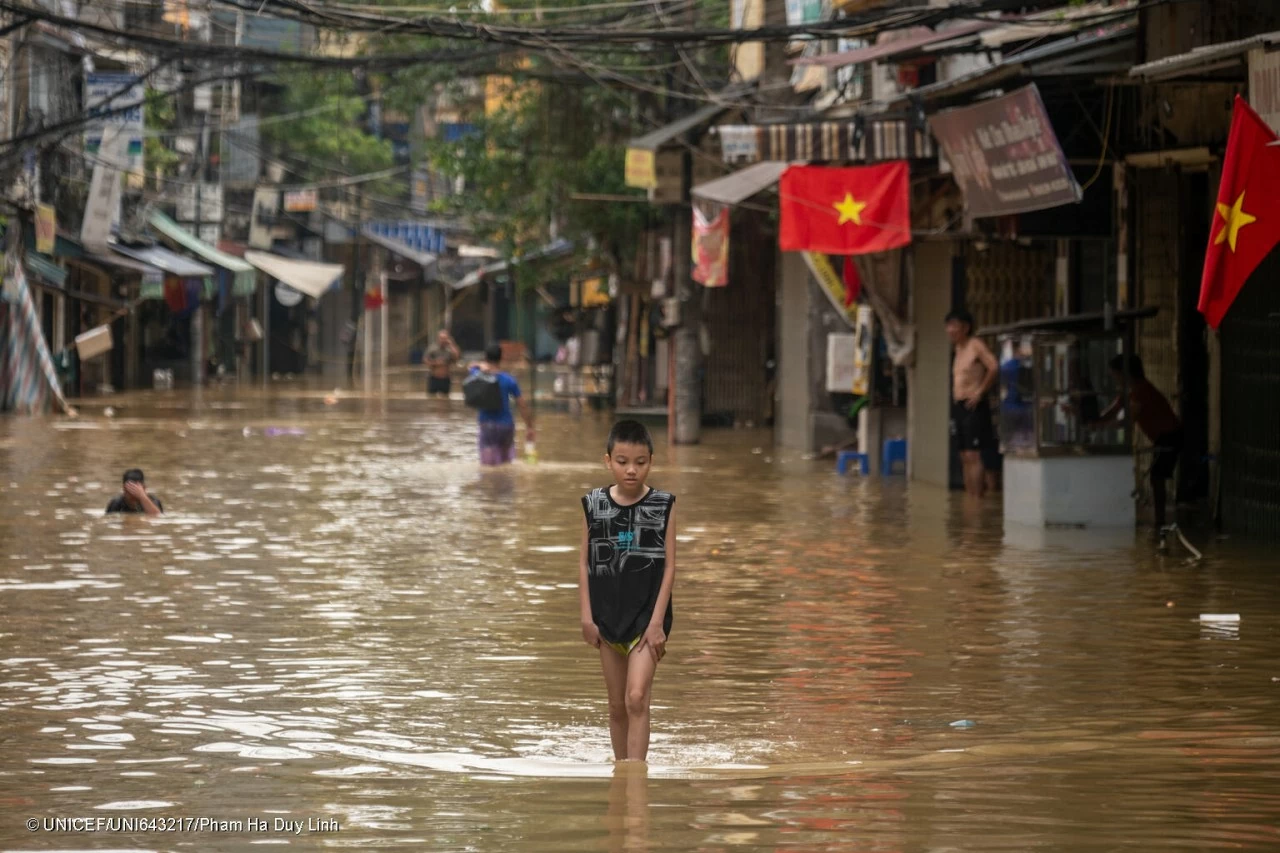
(114,99)
(711,247)
(46,228)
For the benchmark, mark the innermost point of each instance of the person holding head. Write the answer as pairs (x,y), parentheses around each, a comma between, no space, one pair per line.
(440,360)
(973,372)
(1153,414)
(489,390)
(626,572)
(134,497)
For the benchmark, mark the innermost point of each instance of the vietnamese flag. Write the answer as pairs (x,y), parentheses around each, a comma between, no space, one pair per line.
(1246,219)
(842,211)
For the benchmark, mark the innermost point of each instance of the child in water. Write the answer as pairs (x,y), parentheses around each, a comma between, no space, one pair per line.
(625,576)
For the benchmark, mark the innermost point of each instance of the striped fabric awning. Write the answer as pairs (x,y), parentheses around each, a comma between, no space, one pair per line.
(829,141)
(28,380)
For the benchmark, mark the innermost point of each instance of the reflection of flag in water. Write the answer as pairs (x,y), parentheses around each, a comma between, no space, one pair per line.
(28,376)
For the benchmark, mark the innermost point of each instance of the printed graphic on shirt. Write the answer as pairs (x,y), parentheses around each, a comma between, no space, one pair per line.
(630,538)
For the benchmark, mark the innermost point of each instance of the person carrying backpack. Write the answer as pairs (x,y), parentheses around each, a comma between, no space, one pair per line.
(489,391)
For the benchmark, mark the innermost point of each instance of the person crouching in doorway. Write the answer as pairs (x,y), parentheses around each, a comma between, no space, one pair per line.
(973,371)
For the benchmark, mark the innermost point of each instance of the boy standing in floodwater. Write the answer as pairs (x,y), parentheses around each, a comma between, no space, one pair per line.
(625,575)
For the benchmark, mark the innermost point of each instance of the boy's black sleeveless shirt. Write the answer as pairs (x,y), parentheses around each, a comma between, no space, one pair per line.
(626,558)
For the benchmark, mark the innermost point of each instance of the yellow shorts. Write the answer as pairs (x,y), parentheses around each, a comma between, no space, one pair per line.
(623,649)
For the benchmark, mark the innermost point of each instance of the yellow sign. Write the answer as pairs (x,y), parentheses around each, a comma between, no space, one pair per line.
(641,169)
(832,285)
(46,228)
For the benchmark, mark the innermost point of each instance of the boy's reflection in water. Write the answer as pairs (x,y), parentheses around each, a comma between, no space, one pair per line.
(628,816)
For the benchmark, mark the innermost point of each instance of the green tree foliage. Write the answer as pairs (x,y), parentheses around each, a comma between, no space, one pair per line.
(328,138)
(159,161)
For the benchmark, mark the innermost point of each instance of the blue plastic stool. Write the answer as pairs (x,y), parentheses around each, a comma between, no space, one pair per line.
(844,457)
(895,450)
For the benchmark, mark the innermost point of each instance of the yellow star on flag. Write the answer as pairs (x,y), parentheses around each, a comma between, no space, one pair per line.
(851,211)
(1234,218)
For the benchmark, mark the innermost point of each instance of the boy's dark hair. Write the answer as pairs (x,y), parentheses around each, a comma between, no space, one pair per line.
(493,353)
(1130,365)
(629,432)
(134,475)
(960,315)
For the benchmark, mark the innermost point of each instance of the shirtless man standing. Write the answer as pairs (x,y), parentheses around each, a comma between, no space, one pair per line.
(973,371)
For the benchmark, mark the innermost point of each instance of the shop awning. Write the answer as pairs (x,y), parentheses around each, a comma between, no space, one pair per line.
(669,133)
(1227,58)
(899,44)
(558,249)
(148,273)
(1038,26)
(422,245)
(168,262)
(1099,52)
(310,277)
(245,280)
(859,140)
(742,185)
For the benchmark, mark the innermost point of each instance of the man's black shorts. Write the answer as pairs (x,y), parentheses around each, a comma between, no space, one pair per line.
(971,428)
(439,384)
(1168,447)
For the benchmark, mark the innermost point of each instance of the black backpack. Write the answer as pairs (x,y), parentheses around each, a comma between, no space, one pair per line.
(482,391)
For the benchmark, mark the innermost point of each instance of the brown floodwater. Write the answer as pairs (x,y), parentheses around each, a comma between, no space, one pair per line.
(343,618)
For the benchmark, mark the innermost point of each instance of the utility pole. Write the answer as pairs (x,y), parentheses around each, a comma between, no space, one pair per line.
(197,321)
(687,344)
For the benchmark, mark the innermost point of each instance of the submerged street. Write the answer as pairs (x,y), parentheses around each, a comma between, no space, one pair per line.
(342,618)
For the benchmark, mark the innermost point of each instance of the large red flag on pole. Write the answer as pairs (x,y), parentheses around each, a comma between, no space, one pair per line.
(1246,219)
(844,211)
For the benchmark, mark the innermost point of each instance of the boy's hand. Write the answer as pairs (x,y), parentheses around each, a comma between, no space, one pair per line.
(655,640)
(135,490)
(591,634)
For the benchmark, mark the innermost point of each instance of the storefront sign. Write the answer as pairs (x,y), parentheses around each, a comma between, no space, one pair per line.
(300,201)
(1264,86)
(105,96)
(1005,156)
(46,228)
(641,169)
(711,247)
(266,203)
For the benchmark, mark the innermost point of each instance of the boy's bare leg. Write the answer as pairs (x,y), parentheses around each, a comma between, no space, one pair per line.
(640,669)
(615,679)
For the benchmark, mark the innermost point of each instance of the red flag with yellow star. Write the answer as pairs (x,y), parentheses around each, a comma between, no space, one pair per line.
(844,211)
(1246,219)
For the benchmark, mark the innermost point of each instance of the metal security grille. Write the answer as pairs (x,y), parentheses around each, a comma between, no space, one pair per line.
(1250,472)
(1006,282)
(740,320)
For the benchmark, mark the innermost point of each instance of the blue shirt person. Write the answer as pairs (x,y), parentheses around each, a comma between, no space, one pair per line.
(497,425)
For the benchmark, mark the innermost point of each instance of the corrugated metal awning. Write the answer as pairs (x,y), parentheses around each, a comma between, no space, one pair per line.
(888,49)
(165,260)
(740,186)
(1225,56)
(245,278)
(668,133)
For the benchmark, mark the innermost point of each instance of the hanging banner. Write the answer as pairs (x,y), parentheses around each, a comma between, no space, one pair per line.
(1005,156)
(711,246)
(832,286)
(46,228)
(102,207)
(864,338)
